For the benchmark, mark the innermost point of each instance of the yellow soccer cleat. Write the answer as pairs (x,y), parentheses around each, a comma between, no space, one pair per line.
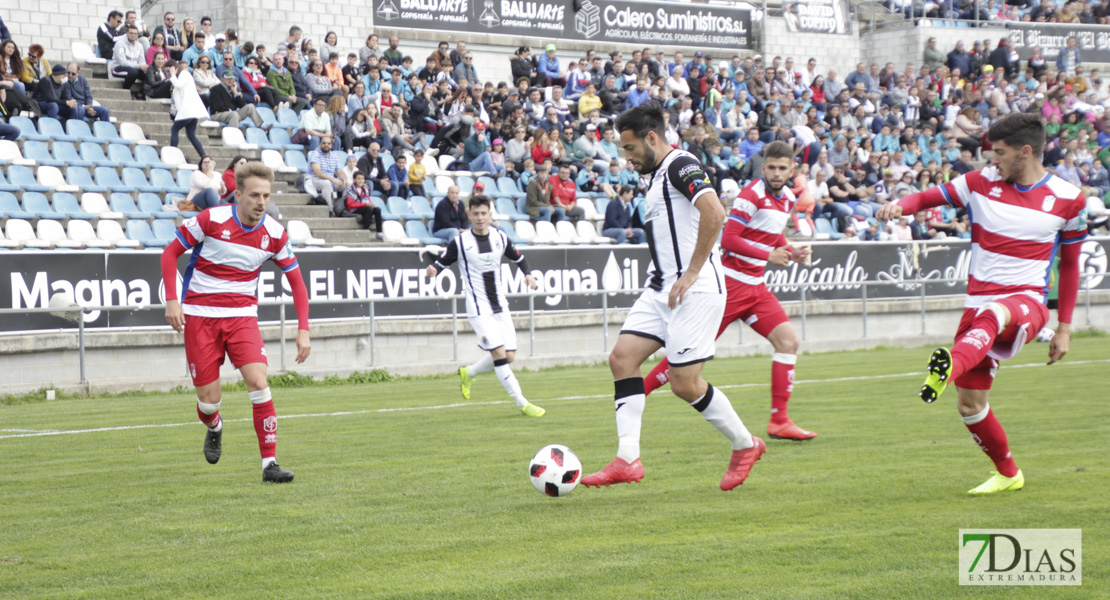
(1000,483)
(940,371)
(464,383)
(531,410)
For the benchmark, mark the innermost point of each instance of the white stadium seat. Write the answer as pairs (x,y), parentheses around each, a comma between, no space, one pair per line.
(83,232)
(431,167)
(568,234)
(96,204)
(21,231)
(6,243)
(84,53)
(445,161)
(394,233)
(174,156)
(274,160)
(300,234)
(591,211)
(52,231)
(111,232)
(443,182)
(10,154)
(134,133)
(545,233)
(52,178)
(233,138)
(588,231)
(525,231)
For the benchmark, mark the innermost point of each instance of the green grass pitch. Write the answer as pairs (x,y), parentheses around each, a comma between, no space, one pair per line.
(436,503)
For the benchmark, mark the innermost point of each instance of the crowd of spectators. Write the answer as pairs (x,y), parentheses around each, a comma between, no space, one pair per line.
(1092,12)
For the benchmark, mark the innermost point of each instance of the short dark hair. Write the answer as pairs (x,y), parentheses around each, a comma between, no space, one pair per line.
(778,149)
(1019,129)
(642,119)
(479,200)
(114,14)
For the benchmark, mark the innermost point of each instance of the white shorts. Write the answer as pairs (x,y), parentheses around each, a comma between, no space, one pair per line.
(689,332)
(494,331)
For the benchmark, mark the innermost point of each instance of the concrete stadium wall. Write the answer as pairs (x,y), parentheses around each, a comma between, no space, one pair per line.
(155,359)
(840,52)
(56,24)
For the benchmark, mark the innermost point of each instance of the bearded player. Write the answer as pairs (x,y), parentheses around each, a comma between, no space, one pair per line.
(752,238)
(219,308)
(1020,217)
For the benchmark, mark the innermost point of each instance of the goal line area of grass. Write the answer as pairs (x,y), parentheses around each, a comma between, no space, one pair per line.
(405,490)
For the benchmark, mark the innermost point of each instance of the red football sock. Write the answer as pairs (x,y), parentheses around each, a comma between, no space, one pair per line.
(265,427)
(988,433)
(658,377)
(972,347)
(782,385)
(211,420)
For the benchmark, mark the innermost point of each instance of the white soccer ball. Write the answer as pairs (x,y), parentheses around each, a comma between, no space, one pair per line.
(555,470)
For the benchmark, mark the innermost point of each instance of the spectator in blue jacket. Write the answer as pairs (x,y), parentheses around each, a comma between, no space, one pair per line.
(752,145)
(1069,58)
(399,176)
(637,95)
(547,68)
(79,90)
(618,220)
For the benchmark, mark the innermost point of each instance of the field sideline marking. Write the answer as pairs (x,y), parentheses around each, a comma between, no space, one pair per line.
(29,433)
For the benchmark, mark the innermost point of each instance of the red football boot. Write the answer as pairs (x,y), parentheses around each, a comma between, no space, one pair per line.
(618,471)
(789,431)
(741,464)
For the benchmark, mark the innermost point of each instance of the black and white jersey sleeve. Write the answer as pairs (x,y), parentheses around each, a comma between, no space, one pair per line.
(687,175)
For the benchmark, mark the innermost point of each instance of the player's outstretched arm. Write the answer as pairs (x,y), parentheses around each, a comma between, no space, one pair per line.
(712,217)
(174,314)
(911,204)
(1068,295)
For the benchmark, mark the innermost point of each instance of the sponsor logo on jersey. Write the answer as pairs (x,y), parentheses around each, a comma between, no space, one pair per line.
(996,192)
(269,424)
(1048,203)
(225,234)
(265,245)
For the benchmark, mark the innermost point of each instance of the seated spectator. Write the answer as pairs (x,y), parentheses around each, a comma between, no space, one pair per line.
(194,51)
(465,69)
(476,152)
(227,105)
(129,61)
(547,68)
(203,74)
(376,173)
(107,34)
(417,174)
(11,65)
(588,101)
(564,198)
(334,72)
(399,176)
(360,203)
(314,124)
(229,179)
(81,93)
(450,216)
(53,96)
(618,220)
(206,189)
(8,132)
(396,130)
(319,84)
(260,86)
(921,230)
(325,175)
(280,79)
(35,67)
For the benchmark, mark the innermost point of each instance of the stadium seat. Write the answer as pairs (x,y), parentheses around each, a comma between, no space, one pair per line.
(417,230)
(10,208)
(546,234)
(83,52)
(96,205)
(600,204)
(122,155)
(507,207)
(133,132)
(24,178)
(55,234)
(52,178)
(66,153)
(466,185)
(151,203)
(164,230)
(110,179)
(273,159)
(300,234)
(92,152)
(287,119)
(10,154)
(421,208)
(80,130)
(445,161)
(174,157)
(387,160)
(509,188)
(525,231)
(587,232)
(442,183)
(164,181)
(296,160)
(83,232)
(269,119)
(398,209)
(568,234)
(36,203)
(106,132)
(52,128)
(233,138)
(79,176)
(393,233)
(592,213)
(6,186)
(510,232)
(38,152)
(111,232)
(825,227)
(729,189)
(140,232)
(257,137)
(137,179)
(66,205)
(125,205)
(431,167)
(27,130)
(149,158)
(6,243)
(491,187)
(21,232)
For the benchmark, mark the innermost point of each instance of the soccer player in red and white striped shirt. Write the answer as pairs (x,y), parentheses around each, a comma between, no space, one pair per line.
(752,238)
(1020,217)
(229,246)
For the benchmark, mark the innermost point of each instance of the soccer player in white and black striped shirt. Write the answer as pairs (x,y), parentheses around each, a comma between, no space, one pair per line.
(683,306)
(478,251)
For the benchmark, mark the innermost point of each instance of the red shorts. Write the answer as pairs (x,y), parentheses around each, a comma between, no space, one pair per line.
(1027,316)
(755,304)
(207,340)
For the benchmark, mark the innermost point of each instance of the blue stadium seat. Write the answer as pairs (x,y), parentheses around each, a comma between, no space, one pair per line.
(108,178)
(79,176)
(137,179)
(10,208)
(466,185)
(151,203)
(122,155)
(52,128)
(415,228)
(257,136)
(398,209)
(825,226)
(509,187)
(340,156)
(27,129)
(164,230)
(37,203)
(38,152)
(183,181)
(600,205)
(149,158)
(508,208)
(106,131)
(268,117)
(125,204)
(510,232)
(421,207)
(387,160)
(287,119)
(521,204)
(80,130)
(491,187)
(295,158)
(67,154)
(23,177)
(66,204)
(139,231)
(94,153)
(281,137)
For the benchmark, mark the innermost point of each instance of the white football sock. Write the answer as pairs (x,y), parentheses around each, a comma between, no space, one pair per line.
(266,461)
(629,401)
(511,385)
(717,409)
(484,365)
(209,409)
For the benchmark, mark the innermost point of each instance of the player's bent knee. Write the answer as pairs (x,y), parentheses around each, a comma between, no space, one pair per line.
(1000,312)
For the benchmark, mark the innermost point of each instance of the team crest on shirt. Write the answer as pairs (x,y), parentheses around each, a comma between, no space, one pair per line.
(225,234)
(265,245)
(1049,202)
(996,192)
(485,342)
(766,203)
(193,370)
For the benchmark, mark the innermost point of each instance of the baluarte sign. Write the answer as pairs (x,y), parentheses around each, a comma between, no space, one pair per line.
(676,24)
(28,279)
(1093,42)
(817,16)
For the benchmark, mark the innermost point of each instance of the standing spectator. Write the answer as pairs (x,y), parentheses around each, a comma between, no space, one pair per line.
(174,41)
(206,189)
(1069,57)
(325,175)
(618,220)
(227,104)
(53,96)
(315,123)
(129,61)
(360,203)
(11,65)
(564,197)
(330,46)
(958,59)
(450,216)
(206,29)
(107,34)
(81,93)
(186,101)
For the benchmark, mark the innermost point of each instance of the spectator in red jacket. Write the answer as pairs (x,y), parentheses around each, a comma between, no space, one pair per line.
(564,196)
